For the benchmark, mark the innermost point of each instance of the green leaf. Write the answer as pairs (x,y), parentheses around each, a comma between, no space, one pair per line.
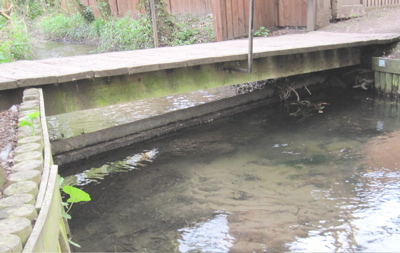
(74,243)
(66,216)
(60,180)
(33,115)
(76,195)
(23,123)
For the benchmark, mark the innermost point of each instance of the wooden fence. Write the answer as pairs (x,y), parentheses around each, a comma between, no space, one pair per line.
(380,3)
(231,16)
(120,8)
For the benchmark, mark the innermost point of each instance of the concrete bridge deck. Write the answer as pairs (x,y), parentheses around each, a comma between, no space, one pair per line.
(60,70)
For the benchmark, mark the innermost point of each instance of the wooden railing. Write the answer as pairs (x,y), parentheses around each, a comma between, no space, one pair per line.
(380,3)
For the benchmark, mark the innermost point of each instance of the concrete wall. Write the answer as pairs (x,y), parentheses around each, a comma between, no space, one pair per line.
(324,13)
(31,211)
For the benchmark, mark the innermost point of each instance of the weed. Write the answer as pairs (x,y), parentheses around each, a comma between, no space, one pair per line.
(67,28)
(262,32)
(15,41)
(75,195)
(119,34)
(29,122)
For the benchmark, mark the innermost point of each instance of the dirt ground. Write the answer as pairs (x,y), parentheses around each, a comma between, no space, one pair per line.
(384,20)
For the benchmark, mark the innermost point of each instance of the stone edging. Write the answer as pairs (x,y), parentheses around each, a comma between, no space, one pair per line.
(18,210)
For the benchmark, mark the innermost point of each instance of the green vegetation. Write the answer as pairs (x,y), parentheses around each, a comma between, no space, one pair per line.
(75,195)
(15,41)
(262,32)
(72,28)
(35,20)
(126,33)
(29,122)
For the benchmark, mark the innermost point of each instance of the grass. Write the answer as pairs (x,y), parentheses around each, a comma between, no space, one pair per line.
(126,33)
(113,34)
(15,41)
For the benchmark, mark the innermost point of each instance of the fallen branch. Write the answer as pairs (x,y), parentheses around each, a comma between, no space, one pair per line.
(2,13)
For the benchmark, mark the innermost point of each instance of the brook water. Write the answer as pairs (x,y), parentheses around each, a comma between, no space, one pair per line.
(254,182)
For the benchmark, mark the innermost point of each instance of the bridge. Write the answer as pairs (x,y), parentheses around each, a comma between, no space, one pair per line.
(83,83)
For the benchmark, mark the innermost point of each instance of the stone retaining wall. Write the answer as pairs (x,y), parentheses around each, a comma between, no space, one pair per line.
(29,184)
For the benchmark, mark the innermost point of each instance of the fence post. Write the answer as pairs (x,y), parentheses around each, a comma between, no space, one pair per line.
(219,15)
(154,21)
(311,15)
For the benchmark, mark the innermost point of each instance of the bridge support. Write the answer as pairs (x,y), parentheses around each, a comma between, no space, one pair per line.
(97,92)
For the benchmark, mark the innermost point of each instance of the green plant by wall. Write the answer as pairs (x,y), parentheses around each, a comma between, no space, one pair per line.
(15,41)
(72,28)
(262,32)
(76,195)
(127,33)
(165,20)
(29,121)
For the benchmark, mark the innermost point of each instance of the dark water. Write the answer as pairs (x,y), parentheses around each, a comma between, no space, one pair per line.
(254,182)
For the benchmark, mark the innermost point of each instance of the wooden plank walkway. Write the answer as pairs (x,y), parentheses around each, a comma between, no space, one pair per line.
(60,70)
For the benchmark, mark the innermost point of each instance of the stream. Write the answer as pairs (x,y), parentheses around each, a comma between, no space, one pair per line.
(259,181)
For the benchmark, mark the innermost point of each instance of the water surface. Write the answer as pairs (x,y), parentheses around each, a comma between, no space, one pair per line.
(255,182)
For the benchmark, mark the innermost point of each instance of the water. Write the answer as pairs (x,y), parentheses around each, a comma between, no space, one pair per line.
(74,123)
(254,182)
(54,49)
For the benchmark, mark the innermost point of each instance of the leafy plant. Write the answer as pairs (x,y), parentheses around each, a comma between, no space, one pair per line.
(75,195)
(15,41)
(68,28)
(29,121)
(262,32)
(126,33)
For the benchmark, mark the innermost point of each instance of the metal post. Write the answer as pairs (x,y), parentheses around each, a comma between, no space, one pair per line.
(251,27)
(311,15)
(249,69)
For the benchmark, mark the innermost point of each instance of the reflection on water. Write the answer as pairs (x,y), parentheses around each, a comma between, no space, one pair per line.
(369,220)
(93,175)
(283,186)
(53,49)
(76,123)
(210,236)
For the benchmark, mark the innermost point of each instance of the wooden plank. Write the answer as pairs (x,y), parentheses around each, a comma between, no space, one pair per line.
(48,160)
(377,77)
(386,65)
(113,7)
(241,17)
(229,19)
(235,18)
(219,14)
(195,7)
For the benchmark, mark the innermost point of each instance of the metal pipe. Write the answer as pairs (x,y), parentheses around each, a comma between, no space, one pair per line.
(251,27)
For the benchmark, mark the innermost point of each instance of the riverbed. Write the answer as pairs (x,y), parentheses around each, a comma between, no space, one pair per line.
(260,181)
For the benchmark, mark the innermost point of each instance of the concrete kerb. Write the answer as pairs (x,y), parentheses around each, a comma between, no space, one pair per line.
(19,208)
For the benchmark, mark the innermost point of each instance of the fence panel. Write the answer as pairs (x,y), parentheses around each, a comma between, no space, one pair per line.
(293,13)
(380,3)
(231,17)
(195,7)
